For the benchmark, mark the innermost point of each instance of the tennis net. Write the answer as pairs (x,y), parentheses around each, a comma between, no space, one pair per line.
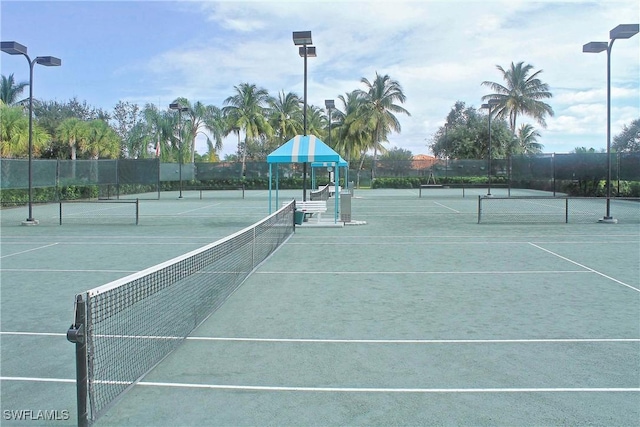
(532,209)
(125,328)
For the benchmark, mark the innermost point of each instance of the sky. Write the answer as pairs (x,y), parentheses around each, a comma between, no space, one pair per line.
(440,51)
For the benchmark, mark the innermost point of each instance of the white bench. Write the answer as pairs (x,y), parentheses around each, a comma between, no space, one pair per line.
(310,207)
(332,188)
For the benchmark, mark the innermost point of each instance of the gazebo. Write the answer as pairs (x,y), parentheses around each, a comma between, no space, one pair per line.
(305,149)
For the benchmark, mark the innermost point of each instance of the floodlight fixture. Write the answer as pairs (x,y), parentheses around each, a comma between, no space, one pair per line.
(49,61)
(329,104)
(624,31)
(13,48)
(302,38)
(310,50)
(178,107)
(595,47)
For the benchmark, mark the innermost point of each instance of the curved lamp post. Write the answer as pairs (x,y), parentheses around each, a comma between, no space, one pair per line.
(303,39)
(181,109)
(490,104)
(14,48)
(623,31)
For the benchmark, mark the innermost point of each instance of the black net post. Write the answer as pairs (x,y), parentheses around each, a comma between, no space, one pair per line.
(294,216)
(76,334)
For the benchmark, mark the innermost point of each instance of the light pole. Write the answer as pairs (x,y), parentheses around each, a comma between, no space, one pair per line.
(490,104)
(329,104)
(623,31)
(236,129)
(14,48)
(303,39)
(177,106)
(446,150)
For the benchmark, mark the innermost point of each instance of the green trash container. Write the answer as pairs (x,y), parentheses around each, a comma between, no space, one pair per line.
(299,217)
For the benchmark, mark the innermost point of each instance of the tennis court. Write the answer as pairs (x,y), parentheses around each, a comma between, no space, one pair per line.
(420,317)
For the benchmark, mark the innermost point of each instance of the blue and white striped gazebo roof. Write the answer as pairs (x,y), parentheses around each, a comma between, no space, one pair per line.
(304,149)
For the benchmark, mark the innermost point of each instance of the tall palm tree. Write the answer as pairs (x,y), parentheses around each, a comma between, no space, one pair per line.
(139,142)
(353,136)
(316,120)
(380,104)
(159,127)
(10,90)
(73,132)
(201,119)
(521,94)
(101,140)
(246,111)
(285,116)
(527,140)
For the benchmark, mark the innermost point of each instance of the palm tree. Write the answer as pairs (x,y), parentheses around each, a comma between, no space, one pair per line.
(159,127)
(138,141)
(74,132)
(379,107)
(14,133)
(316,120)
(202,118)
(246,111)
(527,140)
(101,140)
(353,136)
(285,116)
(521,94)
(10,91)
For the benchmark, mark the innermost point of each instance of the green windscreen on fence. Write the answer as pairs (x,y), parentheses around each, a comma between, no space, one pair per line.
(518,169)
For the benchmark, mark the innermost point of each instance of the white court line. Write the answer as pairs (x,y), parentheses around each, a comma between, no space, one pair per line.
(44,334)
(347,389)
(446,207)
(499,272)
(449,243)
(400,341)
(47,270)
(197,209)
(584,266)
(41,380)
(358,341)
(457,243)
(29,250)
(389,390)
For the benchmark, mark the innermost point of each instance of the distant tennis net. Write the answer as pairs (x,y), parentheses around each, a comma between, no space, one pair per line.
(125,328)
(85,211)
(541,209)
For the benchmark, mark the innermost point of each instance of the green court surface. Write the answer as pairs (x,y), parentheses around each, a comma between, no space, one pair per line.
(421,316)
